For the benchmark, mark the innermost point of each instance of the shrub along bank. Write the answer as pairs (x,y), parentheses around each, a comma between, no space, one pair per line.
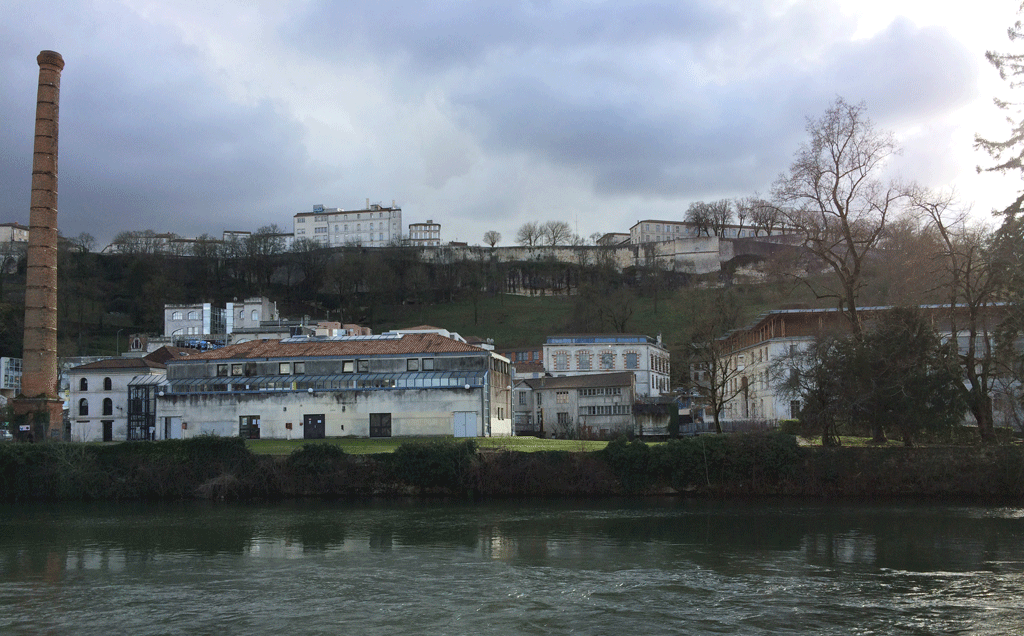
(718,466)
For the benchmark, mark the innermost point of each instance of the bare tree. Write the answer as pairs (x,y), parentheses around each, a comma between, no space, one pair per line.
(764,215)
(492,238)
(528,234)
(556,233)
(699,214)
(711,358)
(720,213)
(972,285)
(837,199)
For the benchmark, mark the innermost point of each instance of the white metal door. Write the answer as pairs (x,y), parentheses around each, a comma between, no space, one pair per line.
(464,424)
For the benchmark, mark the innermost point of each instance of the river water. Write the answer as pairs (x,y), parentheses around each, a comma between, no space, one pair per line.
(618,567)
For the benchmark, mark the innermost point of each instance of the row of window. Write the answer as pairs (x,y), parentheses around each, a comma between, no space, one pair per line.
(83,407)
(192,315)
(562,397)
(83,384)
(606,360)
(239,369)
(331,384)
(606,409)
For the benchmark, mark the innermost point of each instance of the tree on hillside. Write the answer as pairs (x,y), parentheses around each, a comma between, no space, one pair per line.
(764,215)
(699,215)
(708,355)
(720,213)
(835,197)
(492,238)
(556,233)
(260,248)
(528,234)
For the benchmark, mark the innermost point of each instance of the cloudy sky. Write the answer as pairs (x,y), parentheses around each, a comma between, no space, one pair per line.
(195,117)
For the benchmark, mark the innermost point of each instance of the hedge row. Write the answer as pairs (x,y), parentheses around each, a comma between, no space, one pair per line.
(714,465)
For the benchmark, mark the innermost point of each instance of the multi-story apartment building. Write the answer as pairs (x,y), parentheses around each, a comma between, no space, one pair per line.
(13,233)
(10,376)
(582,406)
(203,321)
(424,234)
(754,357)
(376,226)
(656,231)
(645,357)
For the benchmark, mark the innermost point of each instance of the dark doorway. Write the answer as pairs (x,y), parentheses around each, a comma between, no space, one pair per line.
(380,424)
(313,427)
(108,431)
(249,426)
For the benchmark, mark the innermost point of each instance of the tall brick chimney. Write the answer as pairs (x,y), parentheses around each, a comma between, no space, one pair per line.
(38,409)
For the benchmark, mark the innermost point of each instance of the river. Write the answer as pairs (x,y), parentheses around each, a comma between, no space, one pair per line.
(616,567)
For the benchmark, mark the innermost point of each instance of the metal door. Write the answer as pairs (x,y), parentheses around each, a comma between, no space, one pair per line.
(313,427)
(380,424)
(464,424)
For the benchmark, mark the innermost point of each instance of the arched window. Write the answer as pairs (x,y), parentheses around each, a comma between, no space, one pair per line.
(108,406)
(241,314)
(193,315)
(106,384)
(255,315)
(83,406)
(83,384)
(176,315)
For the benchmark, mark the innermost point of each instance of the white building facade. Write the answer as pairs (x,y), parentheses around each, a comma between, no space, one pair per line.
(309,387)
(424,234)
(584,354)
(376,226)
(99,398)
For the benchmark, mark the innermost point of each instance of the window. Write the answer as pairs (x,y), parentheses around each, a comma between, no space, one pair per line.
(412,364)
(563,418)
(348,366)
(540,399)
(255,315)
(106,384)
(632,360)
(300,367)
(193,315)
(607,360)
(83,384)
(236,369)
(363,366)
(108,406)
(83,407)
(561,397)
(561,361)
(522,398)
(222,370)
(320,230)
(241,314)
(176,315)
(428,364)
(284,368)
(583,360)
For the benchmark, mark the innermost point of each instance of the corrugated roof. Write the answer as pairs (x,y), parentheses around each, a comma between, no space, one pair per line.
(407,344)
(581,381)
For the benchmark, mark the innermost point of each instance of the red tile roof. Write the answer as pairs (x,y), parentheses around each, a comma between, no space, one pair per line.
(121,363)
(407,344)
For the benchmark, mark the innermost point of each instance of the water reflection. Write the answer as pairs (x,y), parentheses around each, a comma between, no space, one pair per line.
(512,567)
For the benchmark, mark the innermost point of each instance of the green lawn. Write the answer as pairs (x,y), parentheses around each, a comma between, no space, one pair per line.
(362,446)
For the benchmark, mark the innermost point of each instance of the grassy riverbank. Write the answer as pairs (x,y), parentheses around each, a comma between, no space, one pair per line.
(712,466)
